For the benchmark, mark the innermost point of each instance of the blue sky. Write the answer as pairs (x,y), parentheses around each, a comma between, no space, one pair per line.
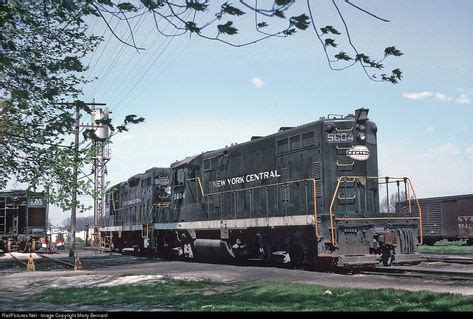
(198,95)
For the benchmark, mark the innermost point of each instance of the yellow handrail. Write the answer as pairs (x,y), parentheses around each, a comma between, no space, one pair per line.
(332,231)
(345,178)
(420,212)
(314,181)
(245,189)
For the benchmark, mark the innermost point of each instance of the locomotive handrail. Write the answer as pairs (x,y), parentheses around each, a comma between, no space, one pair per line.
(342,148)
(345,164)
(345,179)
(248,188)
(344,129)
(314,183)
(420,211)
(346,198)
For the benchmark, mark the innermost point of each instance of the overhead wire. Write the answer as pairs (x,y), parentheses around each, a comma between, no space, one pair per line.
(101,53)
(125,67)
(146,72)
(117,106)
(143,68)
(119,53)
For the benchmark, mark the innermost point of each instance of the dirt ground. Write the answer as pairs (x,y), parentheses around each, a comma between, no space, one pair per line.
(19,290)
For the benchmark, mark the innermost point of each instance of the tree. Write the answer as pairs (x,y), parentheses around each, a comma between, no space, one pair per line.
(270,19)
(40,52)
(395,203)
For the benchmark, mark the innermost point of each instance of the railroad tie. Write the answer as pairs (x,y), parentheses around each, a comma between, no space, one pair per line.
(30,266)
(77,263)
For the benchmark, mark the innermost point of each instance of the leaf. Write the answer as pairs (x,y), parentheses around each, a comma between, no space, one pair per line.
(152,4)
(192,27)
(330,42)
(392,51)
(231,10)
(394,78)
(329,29)
(90,134)
(300,22)
(262,24)
(289,31)
(126,6)
(397,73)
(197,6)
(362,57)
(132,118)
(343,56)
(282,2)
(227,28)
(279,13)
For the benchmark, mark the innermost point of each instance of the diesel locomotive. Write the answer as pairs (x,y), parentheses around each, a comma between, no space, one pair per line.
(306,195)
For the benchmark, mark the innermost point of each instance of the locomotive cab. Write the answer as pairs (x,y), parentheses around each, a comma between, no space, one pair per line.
(356,230)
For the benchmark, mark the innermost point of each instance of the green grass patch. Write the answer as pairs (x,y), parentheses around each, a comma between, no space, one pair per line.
(448,247)
(211,296)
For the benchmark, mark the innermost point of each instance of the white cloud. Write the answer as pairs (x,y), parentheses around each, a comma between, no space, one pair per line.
(417,95)
(442,97)
(256,81)
(464,99)
(465,96)
(429,129)
(469,151)
(446,149)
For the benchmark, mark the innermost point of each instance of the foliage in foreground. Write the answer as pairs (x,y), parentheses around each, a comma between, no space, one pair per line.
(209,296)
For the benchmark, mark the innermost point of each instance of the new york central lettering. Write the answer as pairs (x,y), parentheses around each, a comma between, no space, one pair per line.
(245,178)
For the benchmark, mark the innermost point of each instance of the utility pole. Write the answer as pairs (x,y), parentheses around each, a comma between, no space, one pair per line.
(74,184)
(75,169)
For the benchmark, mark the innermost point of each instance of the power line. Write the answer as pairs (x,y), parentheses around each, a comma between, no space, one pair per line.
(146,72)
(175,56)
(149,67)
(129,61)
(107,71)
(101,53)
(138,67)
(93,54)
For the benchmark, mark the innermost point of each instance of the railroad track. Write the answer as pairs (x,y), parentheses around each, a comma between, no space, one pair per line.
(45,263)
(437,274)
(17,261)
(57,261)
(448,259)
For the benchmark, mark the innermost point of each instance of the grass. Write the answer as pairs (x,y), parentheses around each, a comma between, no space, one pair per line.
(447,247)
(209,296)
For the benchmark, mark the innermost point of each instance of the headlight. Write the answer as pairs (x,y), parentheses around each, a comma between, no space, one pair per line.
(362,136)
(361,127)
(329,127)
